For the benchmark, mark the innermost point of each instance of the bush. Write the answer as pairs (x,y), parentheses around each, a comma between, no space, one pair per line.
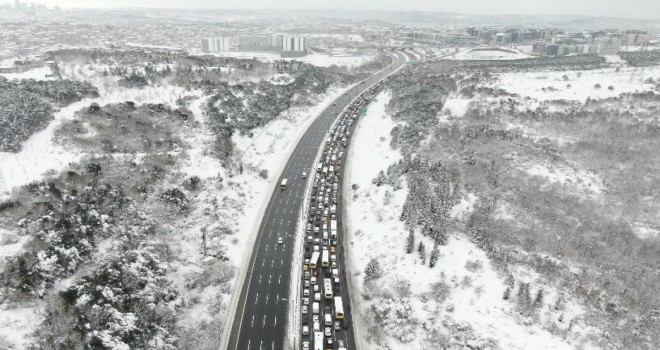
(176,198)
(126,303)
(372,270)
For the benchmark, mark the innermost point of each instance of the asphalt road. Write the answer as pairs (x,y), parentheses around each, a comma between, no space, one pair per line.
(260,319)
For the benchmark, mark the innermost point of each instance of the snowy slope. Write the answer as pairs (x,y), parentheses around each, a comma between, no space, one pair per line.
(457,303)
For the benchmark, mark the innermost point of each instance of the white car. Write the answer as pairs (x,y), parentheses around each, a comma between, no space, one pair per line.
(306,292)
(279,240)
(306,283)
(313,280)
(316,288)
(304,175)
(337,327)
(304,310)
(317,296)
(305,301)
(305,345)
(305,330)
(328,332)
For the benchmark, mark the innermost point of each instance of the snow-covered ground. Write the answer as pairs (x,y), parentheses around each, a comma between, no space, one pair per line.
(40,153)
(316,59)
(41,73)
(553,85)
(488,54)
(459,301)
(323,60)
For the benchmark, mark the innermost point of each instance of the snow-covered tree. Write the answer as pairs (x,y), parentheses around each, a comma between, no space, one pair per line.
(372,270)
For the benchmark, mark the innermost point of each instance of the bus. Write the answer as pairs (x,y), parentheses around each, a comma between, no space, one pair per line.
(325,258)
(283,184)
(327,288)
(314,261)
(339,309)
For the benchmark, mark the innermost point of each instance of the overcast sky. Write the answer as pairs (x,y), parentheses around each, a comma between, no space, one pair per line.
(647,9)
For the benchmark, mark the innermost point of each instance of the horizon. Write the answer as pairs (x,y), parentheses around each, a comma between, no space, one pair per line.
(616,9)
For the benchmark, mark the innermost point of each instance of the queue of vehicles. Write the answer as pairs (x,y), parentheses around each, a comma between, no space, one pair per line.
(322,305)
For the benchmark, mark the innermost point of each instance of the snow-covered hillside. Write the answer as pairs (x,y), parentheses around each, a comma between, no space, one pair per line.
(409,305)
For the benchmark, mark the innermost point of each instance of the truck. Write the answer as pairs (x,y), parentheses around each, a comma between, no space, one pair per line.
(318,341)
(333,228)
(313,262)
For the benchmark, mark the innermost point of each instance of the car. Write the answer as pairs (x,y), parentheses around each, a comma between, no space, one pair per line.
(305,330)
(338,327)
(334,264)
(306,292)
(316,288)
(327,332)
(333,249)
(316,230)
(317,296)
(305,301)
(306,284)
(304,175)
(315,319)
(304,309)
(279,240)
(313,280)
(340,343)
(305,345)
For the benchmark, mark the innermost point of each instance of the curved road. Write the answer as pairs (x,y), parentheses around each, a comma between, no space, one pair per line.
(261,313)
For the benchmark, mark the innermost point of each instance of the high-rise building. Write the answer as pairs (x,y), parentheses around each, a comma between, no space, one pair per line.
(218,44)
(255,42)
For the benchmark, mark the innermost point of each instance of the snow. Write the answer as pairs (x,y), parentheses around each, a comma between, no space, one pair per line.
(576,178)
(17,324)
(11,243)
(316,59)
(582,83)
(41,154)
(473,308)
(41,73)
(645,232)
(489,54)
(323,60)
(347,37)
(456,106)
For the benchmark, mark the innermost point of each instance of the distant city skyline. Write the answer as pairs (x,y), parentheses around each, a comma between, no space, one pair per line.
(642,9)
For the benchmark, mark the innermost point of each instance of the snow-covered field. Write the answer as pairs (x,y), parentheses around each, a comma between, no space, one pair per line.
(41,73)
(555,85)
(488,54)
(458,302)
(316,59)
(40,153)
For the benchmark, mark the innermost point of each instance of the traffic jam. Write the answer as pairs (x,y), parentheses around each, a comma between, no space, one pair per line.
(322,308)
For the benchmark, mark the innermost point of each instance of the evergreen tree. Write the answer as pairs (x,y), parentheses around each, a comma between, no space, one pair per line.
(422,250)
(507,293)
(538,301)
(434,256)
(410,242)
(372,270)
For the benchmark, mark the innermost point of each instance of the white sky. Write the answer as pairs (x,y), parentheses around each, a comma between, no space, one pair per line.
(646,9)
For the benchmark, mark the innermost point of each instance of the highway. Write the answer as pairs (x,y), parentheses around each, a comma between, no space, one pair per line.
(261,314)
